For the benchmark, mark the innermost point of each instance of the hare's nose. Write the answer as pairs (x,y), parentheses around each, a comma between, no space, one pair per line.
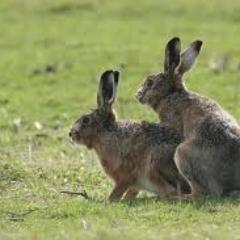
(139,95)
(72,132)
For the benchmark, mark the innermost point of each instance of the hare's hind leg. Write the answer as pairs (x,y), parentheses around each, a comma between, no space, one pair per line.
(162,187)
(131,193)
(194,164)
(118,191)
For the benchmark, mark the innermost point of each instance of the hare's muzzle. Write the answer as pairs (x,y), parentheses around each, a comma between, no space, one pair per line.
(140,96)
(74,135)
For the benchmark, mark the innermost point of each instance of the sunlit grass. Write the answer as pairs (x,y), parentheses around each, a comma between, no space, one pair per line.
(52,53)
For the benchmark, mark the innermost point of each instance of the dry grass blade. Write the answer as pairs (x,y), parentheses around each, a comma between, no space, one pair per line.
(83,194)
(19,217)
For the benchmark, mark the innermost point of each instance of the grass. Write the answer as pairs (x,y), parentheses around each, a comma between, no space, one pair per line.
(52,53)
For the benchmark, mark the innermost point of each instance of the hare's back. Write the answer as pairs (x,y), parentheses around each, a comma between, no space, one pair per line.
(216,130)
(155,134)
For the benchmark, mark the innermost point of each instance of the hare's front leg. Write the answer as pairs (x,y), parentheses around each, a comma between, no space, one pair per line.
(131,193)
(118,192)
(159,185)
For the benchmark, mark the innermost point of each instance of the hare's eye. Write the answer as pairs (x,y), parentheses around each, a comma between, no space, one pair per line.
(149,82)
(85,120)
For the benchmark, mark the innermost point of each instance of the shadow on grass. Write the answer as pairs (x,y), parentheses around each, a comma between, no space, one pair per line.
(198,203)
(209,204)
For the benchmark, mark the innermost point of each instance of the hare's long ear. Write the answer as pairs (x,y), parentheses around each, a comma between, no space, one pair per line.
(107,89)
(189,56)
(172,55)
(115,86)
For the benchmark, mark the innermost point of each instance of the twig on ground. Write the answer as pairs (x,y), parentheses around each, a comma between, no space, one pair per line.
(19,217)
(83,194)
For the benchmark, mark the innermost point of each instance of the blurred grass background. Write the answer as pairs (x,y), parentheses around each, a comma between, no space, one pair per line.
(52,53)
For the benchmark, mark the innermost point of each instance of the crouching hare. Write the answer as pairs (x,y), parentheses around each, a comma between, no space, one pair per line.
(135,155)
(209,156)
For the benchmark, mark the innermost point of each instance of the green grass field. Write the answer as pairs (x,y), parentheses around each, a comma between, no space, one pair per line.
(51,55)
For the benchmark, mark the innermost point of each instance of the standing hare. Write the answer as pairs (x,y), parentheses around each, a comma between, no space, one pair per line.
(135,155)
(209,156)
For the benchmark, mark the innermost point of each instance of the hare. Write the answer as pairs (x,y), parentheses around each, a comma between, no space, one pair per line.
(209,156)
(135,155)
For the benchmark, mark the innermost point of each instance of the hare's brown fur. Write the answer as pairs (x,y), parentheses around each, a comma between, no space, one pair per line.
(209,157)
(135,155)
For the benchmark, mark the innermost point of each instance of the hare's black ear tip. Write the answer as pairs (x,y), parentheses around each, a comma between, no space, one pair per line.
(106,73)
(198,45)
(116,74)
(174,40)
(174,44)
